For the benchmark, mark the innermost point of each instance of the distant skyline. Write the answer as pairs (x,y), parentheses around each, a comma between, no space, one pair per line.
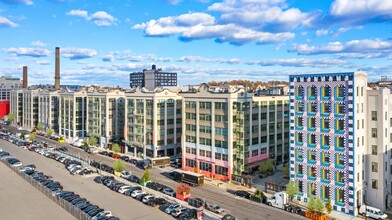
(202,40)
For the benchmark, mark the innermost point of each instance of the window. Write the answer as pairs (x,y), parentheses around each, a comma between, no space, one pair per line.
(299,107)
(325,141)
(340,92)
(311,139)
(340,196)
(299,154)
(340,160)
(299,169)
(339,177)
(299,91)
(339,126)
(312,189)
(224,157)
(374,167)
(325,192)
(312,108)
(205,117)
(374,116)
(298,121)
(218,156)
(325,123)
(221,144)
(325,158)
(190,139)
(325,92)
(312,156)
(312,92)
(312,124)
(205,105)
(374,184)
(208,154)
(339,108)
(255,153)
(325,108)
(299,138)
(339,142)
(374,132)
(205,141)
(312,172)
(263,151)
(202,153)
(374,149)
(205,129)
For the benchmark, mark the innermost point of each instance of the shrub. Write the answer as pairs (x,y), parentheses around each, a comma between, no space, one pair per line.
(116,148)
(328,206)
(183,188)
(92,140)
(119,165)
(40,126)
(259,194)
(49,132)
(291,190)
(31,137)
(146,176)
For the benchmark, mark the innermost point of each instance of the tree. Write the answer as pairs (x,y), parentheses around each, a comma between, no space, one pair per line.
(286,170)
(92,140)
(146,176)
(119,165)
(183,188)
(11,116)
(328,206)
(32,137)
(49,132)
(319,206)
(116,148)
(291,190)
(259,194)
(266,166)
(22,135)
(311,204)
(40,126)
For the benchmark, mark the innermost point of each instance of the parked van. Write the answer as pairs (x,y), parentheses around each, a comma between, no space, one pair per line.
(372,212)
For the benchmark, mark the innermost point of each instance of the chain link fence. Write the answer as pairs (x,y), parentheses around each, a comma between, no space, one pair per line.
(77,213)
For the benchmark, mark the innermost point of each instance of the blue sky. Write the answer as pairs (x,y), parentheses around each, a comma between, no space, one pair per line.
(202,40)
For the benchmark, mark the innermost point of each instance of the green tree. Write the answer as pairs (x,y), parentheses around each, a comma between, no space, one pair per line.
(266,166)
(11,116)
(146,176)
(119,165)
(40,126)
(291,190)
(22,135)
(32,137)
(49,132)
(328,206)
(92,140)
(319,206)
(311,204)
(259,194)
(116,148)
(286,170)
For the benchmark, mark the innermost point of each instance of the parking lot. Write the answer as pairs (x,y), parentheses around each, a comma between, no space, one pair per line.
(20,200)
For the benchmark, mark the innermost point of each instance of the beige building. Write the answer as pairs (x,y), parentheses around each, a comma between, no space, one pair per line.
(16,105)
(72,114)
(48,109)
(105,114)
(228,132)
(153,122)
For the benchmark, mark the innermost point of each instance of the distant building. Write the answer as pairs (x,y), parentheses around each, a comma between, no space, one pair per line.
(150,79)
(8,83)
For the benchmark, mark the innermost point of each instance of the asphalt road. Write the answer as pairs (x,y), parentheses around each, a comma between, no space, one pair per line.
(241,208)
(120,205)
(22,201)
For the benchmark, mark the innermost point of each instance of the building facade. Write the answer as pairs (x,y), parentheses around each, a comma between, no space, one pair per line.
(48,108)
(153,122)
(378,159)
(72,114)
(105,114)
(8,83)
(153,78)
(228,132)
(328,137)
(16,105)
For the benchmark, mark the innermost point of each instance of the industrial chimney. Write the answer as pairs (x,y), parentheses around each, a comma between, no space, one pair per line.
(57,69)
(25,77)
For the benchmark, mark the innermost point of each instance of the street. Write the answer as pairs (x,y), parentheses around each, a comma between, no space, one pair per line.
(241,208)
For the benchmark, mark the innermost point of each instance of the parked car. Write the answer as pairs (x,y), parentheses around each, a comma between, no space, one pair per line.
(228,217)
(169,191)
(215,208)
(125,174)
(242,193)
(171,207)
(124,158)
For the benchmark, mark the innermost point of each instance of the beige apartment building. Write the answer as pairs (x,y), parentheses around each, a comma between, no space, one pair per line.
(105,114)
(48,109)
(153,122)
(72,114)
(227,132)
(16,105)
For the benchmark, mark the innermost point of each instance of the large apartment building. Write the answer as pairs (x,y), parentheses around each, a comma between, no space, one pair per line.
(227,132)
(150,79)
(7,84)
(48,109)
(153,122)
(340,140)
(105,114)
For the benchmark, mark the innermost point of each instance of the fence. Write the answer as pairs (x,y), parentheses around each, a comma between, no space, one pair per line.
(77,213)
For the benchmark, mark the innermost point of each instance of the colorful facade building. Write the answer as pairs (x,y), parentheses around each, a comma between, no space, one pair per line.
(328,137)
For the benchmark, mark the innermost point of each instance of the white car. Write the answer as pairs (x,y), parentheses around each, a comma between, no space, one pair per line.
(101,214)
(147,198)
(17,164)
(171,207)
(125,174)
(215,208)
(137,192)
(25,168)
(169,192)
(124,188)
(178,211)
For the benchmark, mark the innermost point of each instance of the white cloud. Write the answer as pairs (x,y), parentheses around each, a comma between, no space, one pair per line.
(38,44)
(32,52)
(207,28)
(26,2)
(42,62)
(77,53)
(321,32)
(4,22)
(78,13)
(354,46)
(108,58)
(100,18)
(300,62)
(361,10)
(196,59)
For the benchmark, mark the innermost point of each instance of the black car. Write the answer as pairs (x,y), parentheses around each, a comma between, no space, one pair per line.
(134,179)
(133,161)
(156,201)
(228,217)
(124,158)
(242,193)
(98,179)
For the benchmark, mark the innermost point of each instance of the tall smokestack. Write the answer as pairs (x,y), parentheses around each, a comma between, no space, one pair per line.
(24,77)
(57,69)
